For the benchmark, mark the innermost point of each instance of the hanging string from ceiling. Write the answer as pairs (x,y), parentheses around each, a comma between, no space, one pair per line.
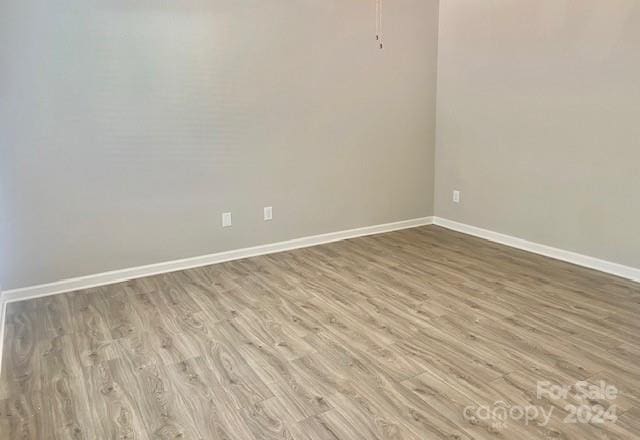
(379,31)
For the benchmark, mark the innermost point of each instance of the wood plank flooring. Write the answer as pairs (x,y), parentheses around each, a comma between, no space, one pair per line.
(383,337)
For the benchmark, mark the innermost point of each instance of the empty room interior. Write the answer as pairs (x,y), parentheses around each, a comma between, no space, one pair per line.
(320,219)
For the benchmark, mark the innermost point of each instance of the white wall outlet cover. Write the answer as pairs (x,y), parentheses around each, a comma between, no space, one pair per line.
(226,219)
(268,213)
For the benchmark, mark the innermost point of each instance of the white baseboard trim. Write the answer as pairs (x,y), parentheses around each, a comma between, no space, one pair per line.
(631,273)
(116,276)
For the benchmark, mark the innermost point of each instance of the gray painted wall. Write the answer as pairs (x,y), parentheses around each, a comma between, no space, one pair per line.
(538,121)
(127,128)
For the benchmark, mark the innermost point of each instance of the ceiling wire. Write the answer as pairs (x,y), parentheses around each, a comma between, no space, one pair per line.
(379,31)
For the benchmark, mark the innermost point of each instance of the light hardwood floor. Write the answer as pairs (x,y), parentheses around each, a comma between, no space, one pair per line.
(384,337)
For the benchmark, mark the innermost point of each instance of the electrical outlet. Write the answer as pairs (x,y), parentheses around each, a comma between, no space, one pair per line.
(456,196)
(268,213)
(226,219)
